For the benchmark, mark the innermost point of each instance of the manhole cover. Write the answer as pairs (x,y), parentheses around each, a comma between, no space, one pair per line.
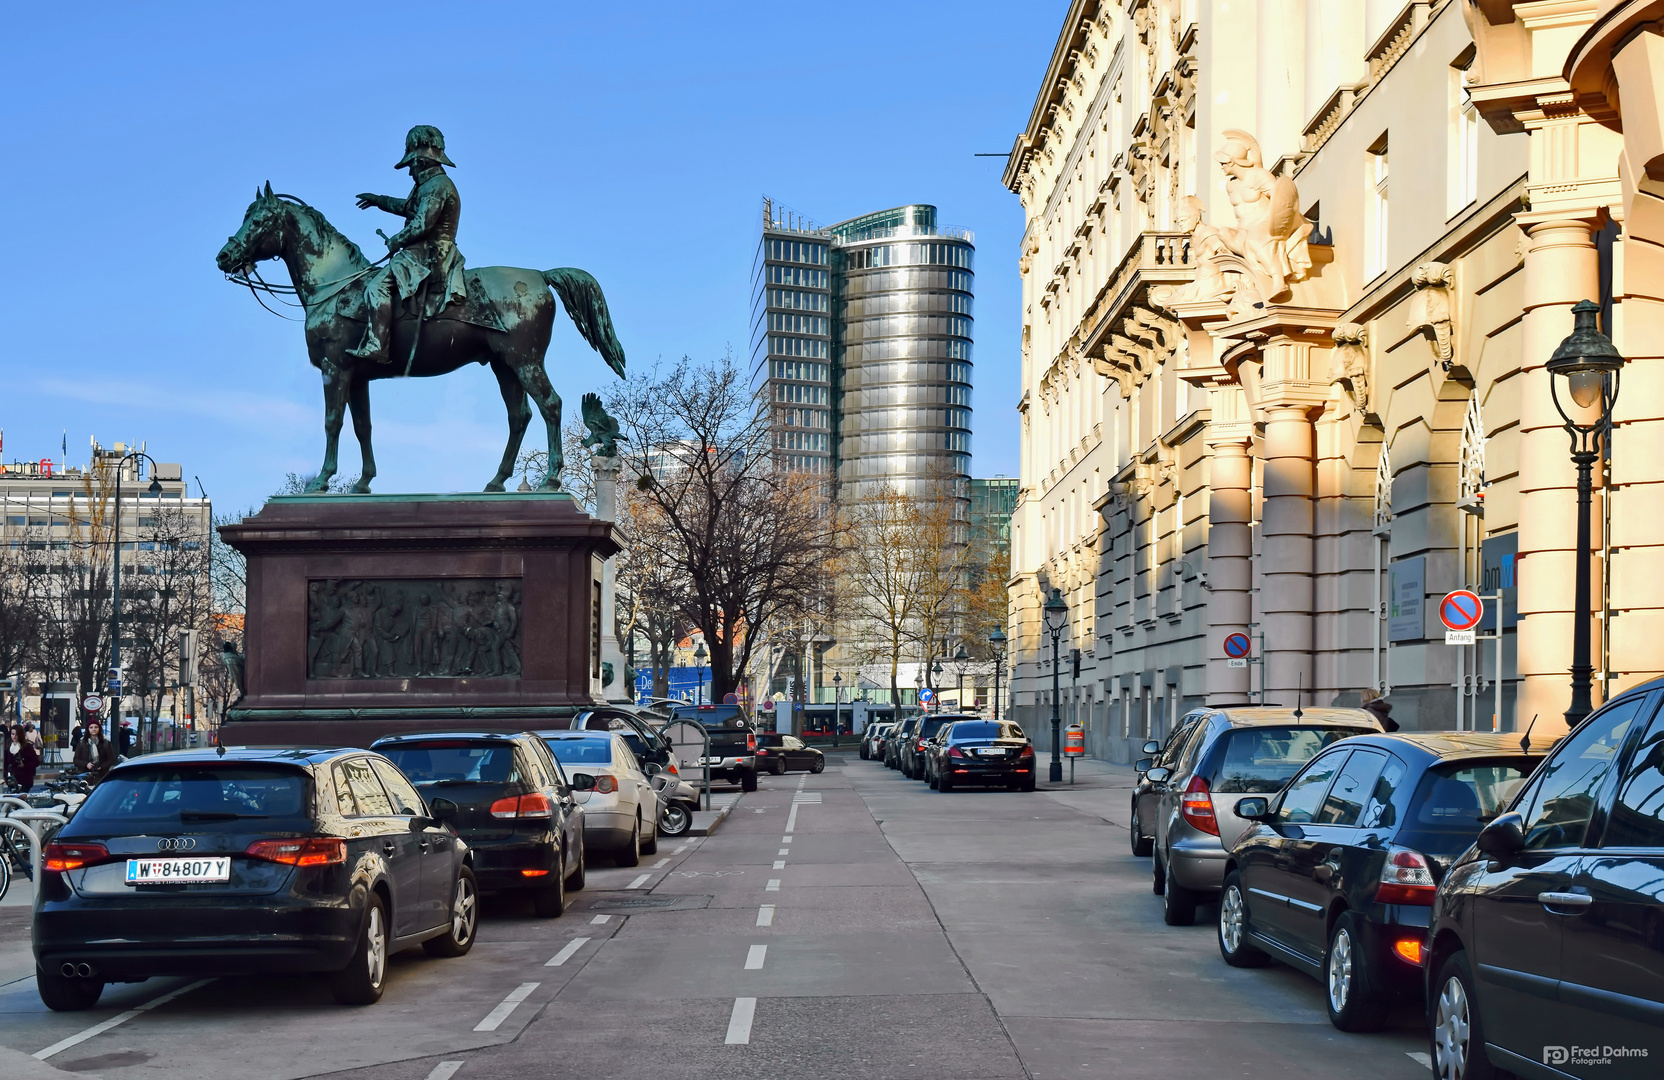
(652,903)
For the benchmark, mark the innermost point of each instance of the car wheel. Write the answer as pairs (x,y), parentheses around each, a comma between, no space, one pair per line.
(1141,845)
(931,778)
(1158,877)
(361,981)
(748,781)
(1354,1004)
(863,752)
(944,783)
(1028,783)
(66,995)
(465,916)
(818,766)
(549,902)
(1234,945)
(1178,904)
(675,820)
(575,880)
(630,854)
(1458,1041)
(650,842)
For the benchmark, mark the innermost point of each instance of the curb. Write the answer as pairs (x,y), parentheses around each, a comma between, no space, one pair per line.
(711,826)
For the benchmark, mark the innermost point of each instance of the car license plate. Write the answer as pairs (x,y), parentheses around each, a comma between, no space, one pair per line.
(991,752)
(178,871)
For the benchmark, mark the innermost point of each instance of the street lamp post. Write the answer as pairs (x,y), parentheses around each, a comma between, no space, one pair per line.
(1590,364)
(115,594)
(959,659)
(997,640)
(1057,613)
(837,700)
(699,655)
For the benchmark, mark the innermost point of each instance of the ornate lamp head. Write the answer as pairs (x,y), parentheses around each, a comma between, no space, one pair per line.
(1585,359)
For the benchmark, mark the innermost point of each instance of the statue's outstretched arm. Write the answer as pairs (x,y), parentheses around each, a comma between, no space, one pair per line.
(423,216)
(389,203)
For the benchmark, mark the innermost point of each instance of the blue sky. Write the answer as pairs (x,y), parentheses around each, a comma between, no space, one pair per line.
(633,140)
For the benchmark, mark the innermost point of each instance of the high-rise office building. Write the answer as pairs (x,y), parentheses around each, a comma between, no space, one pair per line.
(861,336)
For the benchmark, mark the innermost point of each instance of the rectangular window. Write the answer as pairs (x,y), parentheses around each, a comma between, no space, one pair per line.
(1464,139)
(1375,240)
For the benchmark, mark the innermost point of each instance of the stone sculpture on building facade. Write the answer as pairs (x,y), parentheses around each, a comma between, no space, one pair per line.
(1430,307)
(1349,363)
(362,629)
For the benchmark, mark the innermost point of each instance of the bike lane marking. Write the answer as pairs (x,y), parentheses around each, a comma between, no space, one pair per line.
(115,1021)
(755,957)
(600,920)
(444,1070)
(638,882)
(765,915)
(495,1017)
(773,885)
(739,1023)
(567,951)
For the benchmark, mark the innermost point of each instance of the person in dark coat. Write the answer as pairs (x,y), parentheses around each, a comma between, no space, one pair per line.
(22,759)
(1382,711)
(95,755)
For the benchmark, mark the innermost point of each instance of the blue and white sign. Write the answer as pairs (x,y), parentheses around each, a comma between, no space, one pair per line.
(927,695)
(684,683)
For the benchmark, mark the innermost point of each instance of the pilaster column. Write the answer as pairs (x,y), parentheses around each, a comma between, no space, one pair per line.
(1230,555)
(1286,596)
(607,469)
(1561,268)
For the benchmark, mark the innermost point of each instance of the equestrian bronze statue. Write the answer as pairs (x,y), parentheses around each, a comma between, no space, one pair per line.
(419,312)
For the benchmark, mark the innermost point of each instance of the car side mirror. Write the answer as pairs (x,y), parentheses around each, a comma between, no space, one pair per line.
(1253,809)
(1143,764)
(442,808)
(652,769)
(1152,747)
(1504,837)
(1157,775)
(582,781)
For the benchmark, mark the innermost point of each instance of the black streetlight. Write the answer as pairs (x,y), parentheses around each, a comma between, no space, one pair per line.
(1590,365)
(1057,614)
(837,700)
(997,641)
(699,655)
(959,659)
(116,688)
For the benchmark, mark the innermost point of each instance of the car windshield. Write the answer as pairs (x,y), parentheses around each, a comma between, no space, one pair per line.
(163,796)
(452,762)
(581,751)
(976,729)
(1263,759)
(1454,800)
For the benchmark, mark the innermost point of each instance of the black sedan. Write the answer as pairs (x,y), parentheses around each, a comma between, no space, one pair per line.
(508,798)
(202,862)
(779,754)
(1335,876)
(986,752)
(1547,946)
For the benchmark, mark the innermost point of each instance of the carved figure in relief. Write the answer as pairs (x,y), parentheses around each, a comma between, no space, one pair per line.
(392,637)
(402,629)
(1270,233)
(1429,307)
(506,616)
(1349,364)
(325,611)
(1206,246)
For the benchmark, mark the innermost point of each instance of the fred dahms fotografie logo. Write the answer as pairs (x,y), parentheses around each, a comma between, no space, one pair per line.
(1590,1055)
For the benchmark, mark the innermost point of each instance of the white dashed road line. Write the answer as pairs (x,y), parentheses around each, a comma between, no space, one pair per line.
(785,839)
(791,818)
(773,885)
(600,920)
(638,882)
(120,1018)
(678,851)
(567,951)
(784,851)
(765,915)
(661,862)
(444,1070)
(495,1017)
(739,1023)
(779,864)
(754,958)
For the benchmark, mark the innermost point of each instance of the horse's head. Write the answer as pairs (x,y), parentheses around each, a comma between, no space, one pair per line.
(259,238)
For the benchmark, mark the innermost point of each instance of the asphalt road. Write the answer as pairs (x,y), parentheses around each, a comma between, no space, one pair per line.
(852,924)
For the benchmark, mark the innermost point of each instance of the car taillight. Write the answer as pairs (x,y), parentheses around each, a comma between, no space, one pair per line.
(1406,878)
(1027,751)
(606,785)
(762,751)
(751,742)
(953,751)
(1196,806)
(300,850)
(61,857)
(535,805)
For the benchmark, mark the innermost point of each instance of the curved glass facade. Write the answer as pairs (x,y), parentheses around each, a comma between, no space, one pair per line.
(861,339)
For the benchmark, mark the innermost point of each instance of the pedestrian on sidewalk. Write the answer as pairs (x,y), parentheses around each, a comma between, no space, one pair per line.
(95,755)
(34,738)
(1377,706)
(22,759)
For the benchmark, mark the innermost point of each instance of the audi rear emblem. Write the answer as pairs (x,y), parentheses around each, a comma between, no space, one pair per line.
(177,843)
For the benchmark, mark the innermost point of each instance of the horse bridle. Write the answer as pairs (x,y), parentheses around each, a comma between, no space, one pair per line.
(278,292)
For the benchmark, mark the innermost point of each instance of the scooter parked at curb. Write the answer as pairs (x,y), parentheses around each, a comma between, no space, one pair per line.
(678,799)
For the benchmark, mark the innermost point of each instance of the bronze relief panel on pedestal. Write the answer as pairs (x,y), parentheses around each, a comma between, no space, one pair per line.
(412,628)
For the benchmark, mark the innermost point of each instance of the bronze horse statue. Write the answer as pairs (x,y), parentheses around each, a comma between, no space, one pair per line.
(505,323)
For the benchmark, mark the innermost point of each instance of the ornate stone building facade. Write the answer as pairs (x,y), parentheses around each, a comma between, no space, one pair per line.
(1291,273)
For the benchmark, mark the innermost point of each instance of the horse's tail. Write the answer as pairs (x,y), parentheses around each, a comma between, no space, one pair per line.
(581,295)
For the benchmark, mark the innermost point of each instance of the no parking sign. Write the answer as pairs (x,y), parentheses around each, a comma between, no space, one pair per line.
(1460,611)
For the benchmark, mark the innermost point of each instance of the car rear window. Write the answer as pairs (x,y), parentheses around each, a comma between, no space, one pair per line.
(768,739)
(975,729)
(453,762)
(931,727)
(203,797)
(1454,800)
(581,751)
(1262,759)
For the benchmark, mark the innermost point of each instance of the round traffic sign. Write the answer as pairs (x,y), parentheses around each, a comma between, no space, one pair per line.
(1461,610)
(927,695)
(92,703)
(1237,646)
(730,699)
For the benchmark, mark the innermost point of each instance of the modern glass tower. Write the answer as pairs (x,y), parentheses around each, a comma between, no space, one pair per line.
(862,331)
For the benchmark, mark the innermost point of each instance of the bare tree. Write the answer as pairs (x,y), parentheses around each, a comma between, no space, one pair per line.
(878,566)
(170,593)
(749,536)
(22,592)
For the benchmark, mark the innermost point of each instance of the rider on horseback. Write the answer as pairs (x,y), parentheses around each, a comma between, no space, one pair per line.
(425,262)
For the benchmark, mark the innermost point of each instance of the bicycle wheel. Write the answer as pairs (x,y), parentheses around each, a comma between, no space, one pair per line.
(5,872)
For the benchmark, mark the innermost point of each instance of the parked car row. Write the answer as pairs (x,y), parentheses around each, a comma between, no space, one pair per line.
(1513,889)
(954,750)
(253,860)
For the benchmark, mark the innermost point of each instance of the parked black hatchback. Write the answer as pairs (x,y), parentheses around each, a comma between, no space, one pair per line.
(508,798)
(1336,875)
(1547,948)
(248,860)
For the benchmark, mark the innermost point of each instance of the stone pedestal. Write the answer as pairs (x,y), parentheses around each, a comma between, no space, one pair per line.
(372,614)
(619,688)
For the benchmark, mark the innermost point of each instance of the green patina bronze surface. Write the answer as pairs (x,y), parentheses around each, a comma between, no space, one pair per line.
(603,429)
(424,312)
